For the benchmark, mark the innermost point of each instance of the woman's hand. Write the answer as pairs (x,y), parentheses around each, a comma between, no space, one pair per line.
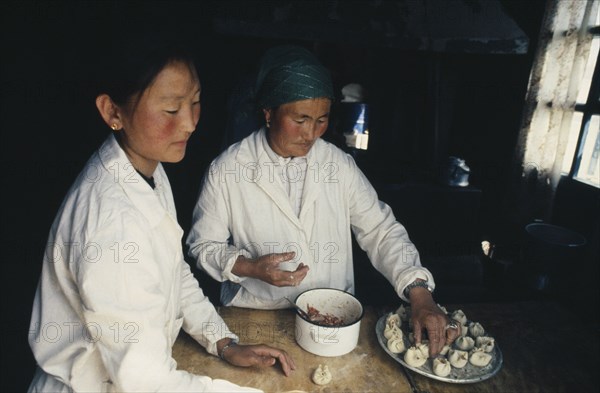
(266,268)
(257,355)
(427,315)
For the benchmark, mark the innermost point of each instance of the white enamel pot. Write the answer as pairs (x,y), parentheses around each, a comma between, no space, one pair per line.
(325,340)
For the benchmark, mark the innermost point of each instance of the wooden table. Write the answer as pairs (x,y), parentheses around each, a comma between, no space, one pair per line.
(544,348)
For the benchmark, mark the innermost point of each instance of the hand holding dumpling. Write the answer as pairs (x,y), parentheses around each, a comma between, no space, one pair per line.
(428,316)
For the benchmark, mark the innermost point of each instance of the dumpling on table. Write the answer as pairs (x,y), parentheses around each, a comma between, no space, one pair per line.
(322,375)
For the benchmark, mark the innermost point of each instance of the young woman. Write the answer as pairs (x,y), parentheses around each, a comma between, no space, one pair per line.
(115,289)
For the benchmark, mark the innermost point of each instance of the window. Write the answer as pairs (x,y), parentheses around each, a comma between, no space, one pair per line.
(581,161)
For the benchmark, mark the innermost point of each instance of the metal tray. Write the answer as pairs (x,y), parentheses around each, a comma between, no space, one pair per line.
(467,374)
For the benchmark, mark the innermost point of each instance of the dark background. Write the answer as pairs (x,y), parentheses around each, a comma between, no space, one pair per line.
(50,126)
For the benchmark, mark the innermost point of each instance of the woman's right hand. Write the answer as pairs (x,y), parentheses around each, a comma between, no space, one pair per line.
(266,268)
(259,355)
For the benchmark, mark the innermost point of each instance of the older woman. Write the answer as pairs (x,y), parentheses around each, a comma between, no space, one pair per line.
(276,210)
(115,289)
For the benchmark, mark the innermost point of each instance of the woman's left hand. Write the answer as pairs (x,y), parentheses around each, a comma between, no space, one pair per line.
(259,355)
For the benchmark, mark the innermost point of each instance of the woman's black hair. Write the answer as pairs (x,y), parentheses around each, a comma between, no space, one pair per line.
(135,61)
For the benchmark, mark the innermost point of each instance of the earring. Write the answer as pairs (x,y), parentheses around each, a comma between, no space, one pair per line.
(114,126)
(268,123)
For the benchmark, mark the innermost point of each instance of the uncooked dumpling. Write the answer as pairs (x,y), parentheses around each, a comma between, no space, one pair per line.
(391,332)
(479,358)
(321,376)
(476,330)
(458,358)
(424,347)
(396,345)
(444,350)
(459,316)
(441,367)
(485,342)
(464,330)
(403,312)
(414,357)
(464,343)
(393,320)
(443,309)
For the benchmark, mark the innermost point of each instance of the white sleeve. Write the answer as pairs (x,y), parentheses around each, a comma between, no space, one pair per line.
(200,318)
(383,238)
(208,240)
(124,307)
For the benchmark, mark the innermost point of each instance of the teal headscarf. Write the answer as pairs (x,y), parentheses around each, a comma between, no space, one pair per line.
(290,73)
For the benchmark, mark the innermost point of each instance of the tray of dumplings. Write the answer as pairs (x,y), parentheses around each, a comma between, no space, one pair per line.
(474,356)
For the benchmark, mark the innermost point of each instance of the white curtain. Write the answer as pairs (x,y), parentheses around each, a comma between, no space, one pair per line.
(562,53)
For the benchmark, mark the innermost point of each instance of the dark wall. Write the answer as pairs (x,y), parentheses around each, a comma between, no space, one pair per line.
(577,207)
(50,126)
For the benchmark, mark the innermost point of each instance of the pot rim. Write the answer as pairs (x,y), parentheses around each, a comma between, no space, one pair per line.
(362,312)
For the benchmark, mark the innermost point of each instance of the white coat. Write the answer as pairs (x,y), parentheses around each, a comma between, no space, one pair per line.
(243,209)
(115,289)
